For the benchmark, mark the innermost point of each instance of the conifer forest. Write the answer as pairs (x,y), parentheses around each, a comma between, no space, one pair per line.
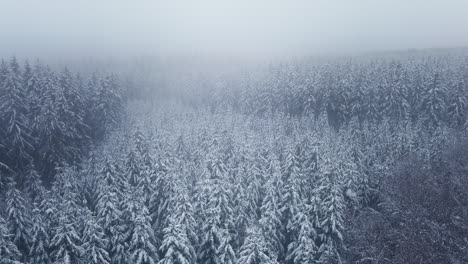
(335,160)
(234,132)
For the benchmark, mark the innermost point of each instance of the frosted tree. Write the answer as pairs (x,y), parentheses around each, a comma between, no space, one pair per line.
(373,109)
(331,217)
(457,107)
(270,221)
(396,106)
(184,214)
(49,208)
(16,140)
(211,240)
(33,185)
(34,87)
(72,96)
(241,209)
(225,253)
(109,106)
(218,193)
(217,211)
(303,248)
(38,252)
(8,251)
(337,105)
(255,250)
(65,101)
(176,248)
(19,219)
(133,169)
(108,211)
(95,244)
(111,218)
(3,72)
(109,174)
(48,126)
(147,176)
(307,162)
(256,173)
(290,196)
(142,245)
(66,243)
(160,198)
(433,102)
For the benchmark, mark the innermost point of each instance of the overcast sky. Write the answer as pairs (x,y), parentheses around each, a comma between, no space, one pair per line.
(237,27)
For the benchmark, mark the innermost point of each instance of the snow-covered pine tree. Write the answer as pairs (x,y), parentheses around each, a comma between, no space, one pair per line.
(290,196)
(19,219)
(110,175)
(433,103)
(95,243)
(39,248)
(16,140)
(270,221)
(331,215)
(142,245)
(110,218)
(184,213)
(373,110)
(49,210)
(217,211)
(255,249)
(66,242)
(212,238)
(3,72)
(226,254)
(160,198)
(303,248)
(133,169)
(8,251)
(219,197)
(33,185)
(107,209)
(49,129)
(396,106)
(457,106)
(176,248)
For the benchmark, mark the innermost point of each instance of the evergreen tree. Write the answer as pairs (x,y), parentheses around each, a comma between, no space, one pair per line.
(290,196)
(142,245)
(66,243)
(176,248)
(395,104)
(270,222)
(184,213)
(211,240)
(8,251)
(303,248)
(33,185)
(226,254)
(433,104)
(255,250)
(16,140)
(331,212)
(95,244)
(457,107)
(38,252)
(19,219)
(133,169)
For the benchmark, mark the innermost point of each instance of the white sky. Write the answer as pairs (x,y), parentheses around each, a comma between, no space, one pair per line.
(220,27)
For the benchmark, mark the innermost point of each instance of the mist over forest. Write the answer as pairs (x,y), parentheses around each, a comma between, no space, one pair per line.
(216,132)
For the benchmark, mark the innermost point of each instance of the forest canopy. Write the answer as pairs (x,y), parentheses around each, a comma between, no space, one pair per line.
(350,159)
